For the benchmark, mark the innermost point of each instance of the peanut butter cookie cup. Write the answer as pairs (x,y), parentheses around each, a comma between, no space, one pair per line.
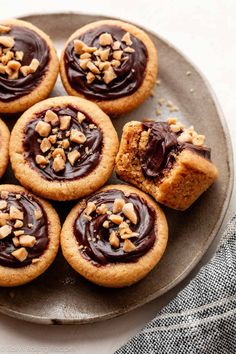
(115,237)
(28,65)
(166,160)
(4,147)
(63,148)
(110,62)
(29,235)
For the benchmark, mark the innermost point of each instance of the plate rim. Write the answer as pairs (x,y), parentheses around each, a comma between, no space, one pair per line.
(214,231)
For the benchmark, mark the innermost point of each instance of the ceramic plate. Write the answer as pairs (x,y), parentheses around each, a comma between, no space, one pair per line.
(60,295)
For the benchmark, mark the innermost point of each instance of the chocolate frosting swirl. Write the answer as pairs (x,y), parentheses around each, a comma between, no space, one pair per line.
(39,230)
(130,74)
(98,250)
(86,163)
(33,46)
(162,149)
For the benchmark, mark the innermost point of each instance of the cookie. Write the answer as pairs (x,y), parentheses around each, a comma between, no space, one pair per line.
(28,66)
(110,62)
(29,235)
(63,148)
(115,237)
(4,147)
(166,160)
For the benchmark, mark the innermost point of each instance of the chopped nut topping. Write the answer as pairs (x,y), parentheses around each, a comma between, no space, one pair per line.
(4,217)
(129,234)
(118,205)
(90,49)
(45,145)
(65,122)
(25,70)
(199,140)
(115,63)
(18,224)
(85,56)
(27,240)
(19,55)
(175,128)
(123,225)
(21,254)
(38,214)
(19,233)
(43,129)
(73,157)
(116,45)
(172,120)
(13,65)
(105,39)
(4,29)
(59,152)
(34,65)
(90,77)
(128,210)
(5,231)
(184,137)
(114,240)
(102,209)
(126,39)
(77,136)
(83,63)
(65,143)
(58,164)
(104,65)
(16,241)
(129,50)
(104,54)
(90,208)
(78,46)
(3,204)
(80,117)
(51,117)
(41,160)
(106,224)
(116,219)
(52,139)
(128,246)
(117,54)
(7,42)
(93,67)
(109,75)
(16,213)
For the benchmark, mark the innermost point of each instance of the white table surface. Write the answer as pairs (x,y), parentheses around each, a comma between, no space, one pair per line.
(205,30)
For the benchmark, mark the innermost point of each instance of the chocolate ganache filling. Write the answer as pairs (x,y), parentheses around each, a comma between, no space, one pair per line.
(90,151)
(34,47)
(32,225)
(93,237)
(162,148)
(129,75)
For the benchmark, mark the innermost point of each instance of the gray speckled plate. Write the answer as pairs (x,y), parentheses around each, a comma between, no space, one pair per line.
(60,295)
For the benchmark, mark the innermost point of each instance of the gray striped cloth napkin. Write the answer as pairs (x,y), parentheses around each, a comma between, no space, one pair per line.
(202,318)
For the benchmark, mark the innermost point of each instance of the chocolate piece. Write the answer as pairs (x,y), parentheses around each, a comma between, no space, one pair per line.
(162,148)
(129,75)
(27,204)
(33,47)
(90,151)
(93,236)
